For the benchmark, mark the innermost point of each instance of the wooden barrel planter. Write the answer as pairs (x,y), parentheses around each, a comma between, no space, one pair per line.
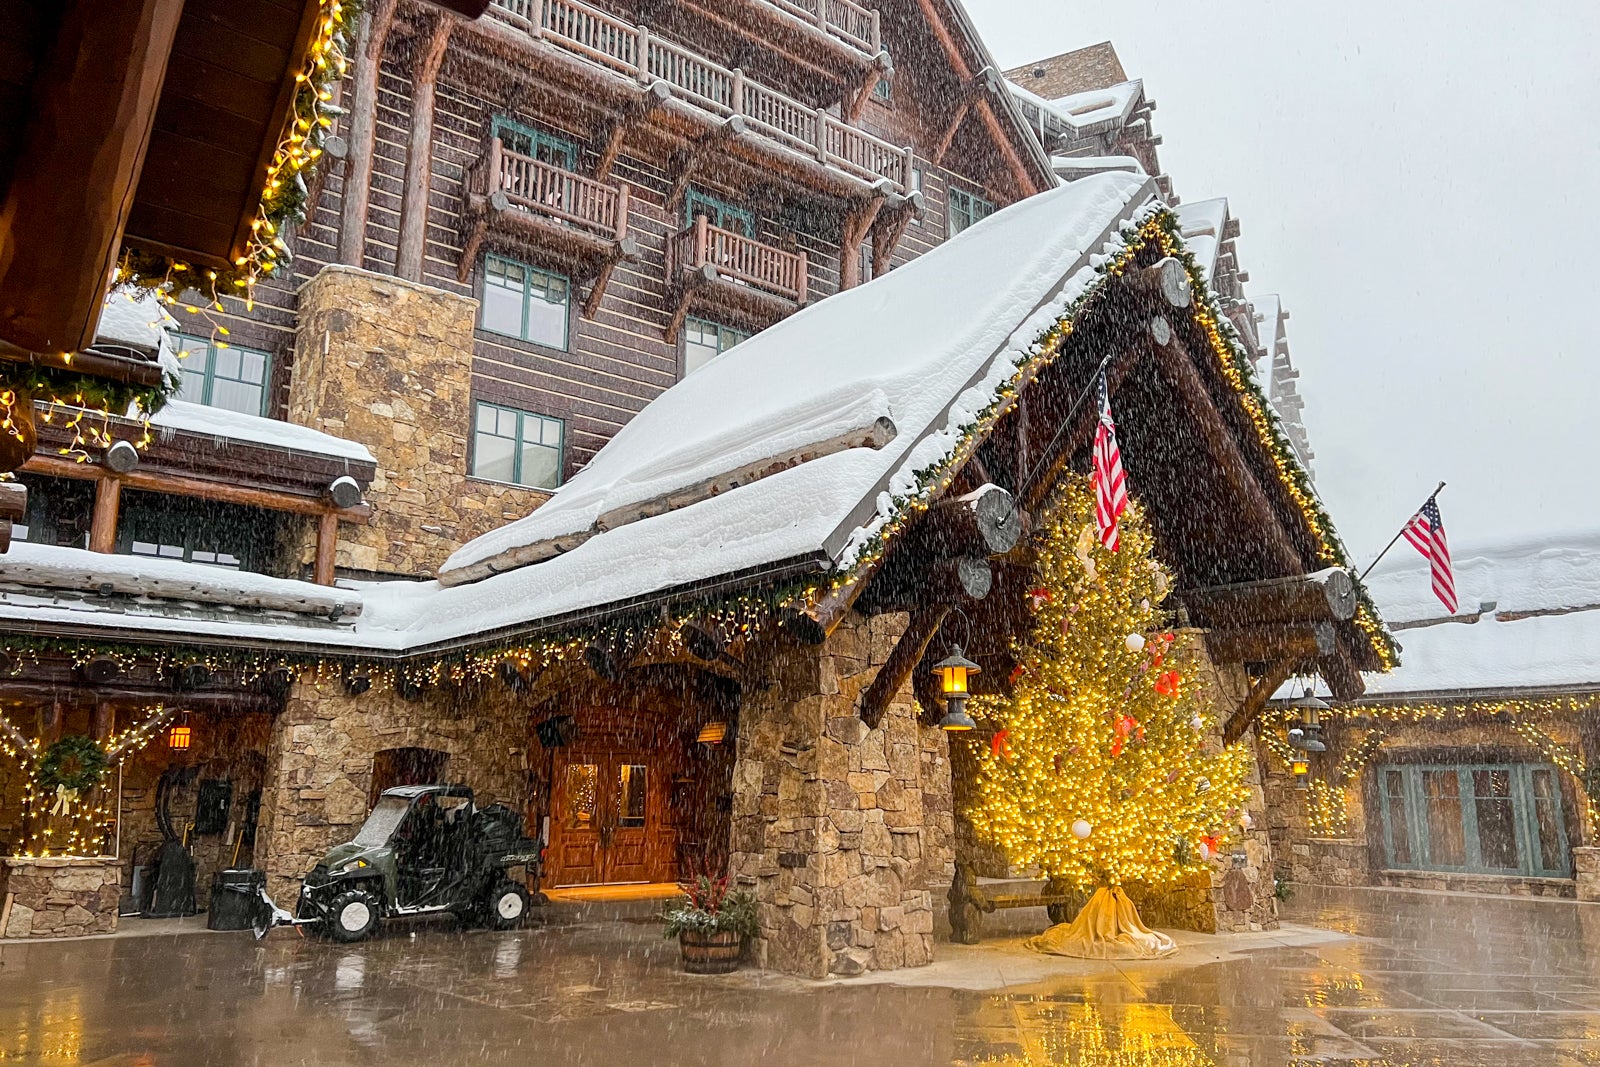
(716,953)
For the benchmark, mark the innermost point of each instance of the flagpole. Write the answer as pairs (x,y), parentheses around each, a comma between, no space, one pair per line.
(1397,536)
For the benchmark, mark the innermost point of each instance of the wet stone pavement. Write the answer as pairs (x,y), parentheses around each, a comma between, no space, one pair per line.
(1402,978)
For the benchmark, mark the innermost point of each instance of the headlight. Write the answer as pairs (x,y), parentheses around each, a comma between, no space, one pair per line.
(353,865)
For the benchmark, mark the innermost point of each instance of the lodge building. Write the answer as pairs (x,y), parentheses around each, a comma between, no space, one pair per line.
(534,239)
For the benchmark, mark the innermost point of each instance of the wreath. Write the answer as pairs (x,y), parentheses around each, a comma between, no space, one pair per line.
(73,763)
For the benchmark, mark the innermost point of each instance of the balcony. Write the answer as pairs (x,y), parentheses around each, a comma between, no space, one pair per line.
(524,205)
(717,268)
(753,113)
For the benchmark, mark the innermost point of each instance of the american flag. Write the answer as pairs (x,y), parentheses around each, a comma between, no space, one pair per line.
(1110,486)
(1425,531)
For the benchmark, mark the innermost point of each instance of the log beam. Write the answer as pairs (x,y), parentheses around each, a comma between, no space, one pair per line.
(103,525)
(88,124)
(1264,642)
(1323,595)
(852,233)
(1261,690)
(357,189)
(651,100)
(178,485)
(413,240)
(907,653)
(327,547)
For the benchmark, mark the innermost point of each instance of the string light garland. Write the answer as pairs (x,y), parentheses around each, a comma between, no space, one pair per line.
(283,195)
(1103,780)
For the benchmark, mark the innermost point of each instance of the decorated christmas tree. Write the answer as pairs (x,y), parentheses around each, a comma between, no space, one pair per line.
(1099,772)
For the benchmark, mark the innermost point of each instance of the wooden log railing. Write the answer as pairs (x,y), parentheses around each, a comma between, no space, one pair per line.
(850,22)
(620,46)
(741,259)
(546,189)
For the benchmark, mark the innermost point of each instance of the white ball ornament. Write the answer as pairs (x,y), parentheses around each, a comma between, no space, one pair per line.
(1246,822)
(1144,605)
(1081,829)
(1197,723)
(1205,851)
(1134,642)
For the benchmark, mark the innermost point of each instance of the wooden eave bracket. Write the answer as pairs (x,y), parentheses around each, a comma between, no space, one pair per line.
(1261,690)
(686,164)
(905,657)
(650,101)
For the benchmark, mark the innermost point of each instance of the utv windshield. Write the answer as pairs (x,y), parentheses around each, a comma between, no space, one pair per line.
(382,822)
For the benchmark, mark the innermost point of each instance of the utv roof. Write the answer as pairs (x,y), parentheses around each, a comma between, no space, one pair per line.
(410,791)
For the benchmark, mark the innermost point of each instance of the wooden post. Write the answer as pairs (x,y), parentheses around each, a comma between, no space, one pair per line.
(702,237)
(802,281)
(80,152)
(327,546)
(876,40)
(737,102)
(822,134)
(622,211)
(419,151)
(104,722)
(641,59)
(536,16)
(103,526)
(496,179)
(362,132)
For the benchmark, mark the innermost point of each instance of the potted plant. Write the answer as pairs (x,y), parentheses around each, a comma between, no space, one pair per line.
(711,924)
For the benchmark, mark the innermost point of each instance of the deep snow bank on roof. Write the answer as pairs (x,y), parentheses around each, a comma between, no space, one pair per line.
(950,323)
(139,321)
(1202,222)
(1558,574)
(1093,107)
(234,426)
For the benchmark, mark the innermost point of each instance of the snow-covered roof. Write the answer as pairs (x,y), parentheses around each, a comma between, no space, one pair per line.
(253,429)
(137,320)
(949,325)
(1071,168)
(1529,619)
(1202,223)
(926,346)
(1084,111)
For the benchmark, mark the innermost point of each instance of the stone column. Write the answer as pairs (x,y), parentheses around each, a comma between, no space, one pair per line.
(388,363)
(839,830)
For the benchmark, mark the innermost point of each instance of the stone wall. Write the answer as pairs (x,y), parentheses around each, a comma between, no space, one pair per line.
(1352,853)
(388,363)
(319,763)
(841,831)
(59,896)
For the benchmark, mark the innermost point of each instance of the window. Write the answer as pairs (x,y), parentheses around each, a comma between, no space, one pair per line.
(525,302)
(883,90)
(719,213)
(517,447)
(224,376)
(916,178)
(197,531)
(704,341)
(527,141)
(967,208)
(1492,818)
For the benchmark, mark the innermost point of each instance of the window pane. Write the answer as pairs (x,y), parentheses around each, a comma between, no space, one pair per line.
(502,298)
(254,366)
(1497,831)
(631,794)
(226,363)
(581,781)
(541,466)
(549,432)
(1441,791)
(236,396)
(1394,799)
(699,347)
(547,310)
(494,457)
(1547,817)
(194,378)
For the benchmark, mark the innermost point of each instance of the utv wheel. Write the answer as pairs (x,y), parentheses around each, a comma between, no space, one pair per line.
(506,906)
(352,915)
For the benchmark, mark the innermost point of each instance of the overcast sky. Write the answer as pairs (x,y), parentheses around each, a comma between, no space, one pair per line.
(1420,181)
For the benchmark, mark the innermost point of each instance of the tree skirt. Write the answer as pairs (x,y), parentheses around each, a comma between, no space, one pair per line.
(1108,928)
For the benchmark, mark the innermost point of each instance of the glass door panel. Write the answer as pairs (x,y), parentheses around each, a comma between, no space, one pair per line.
(1441,790)
(1395,816)
(1497,822)
(1550,845)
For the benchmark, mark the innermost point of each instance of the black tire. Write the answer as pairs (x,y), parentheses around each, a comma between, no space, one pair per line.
(353,915)
(505,906)
(1059,913)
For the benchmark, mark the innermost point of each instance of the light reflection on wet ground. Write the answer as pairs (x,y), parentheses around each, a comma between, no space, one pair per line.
(1422,980)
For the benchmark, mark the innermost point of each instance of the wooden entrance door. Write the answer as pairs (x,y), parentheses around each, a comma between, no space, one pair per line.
(606,810)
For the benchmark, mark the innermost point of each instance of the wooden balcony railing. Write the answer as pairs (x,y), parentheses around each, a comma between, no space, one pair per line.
(741,259)
(548,190)
(632,50)
(850,22)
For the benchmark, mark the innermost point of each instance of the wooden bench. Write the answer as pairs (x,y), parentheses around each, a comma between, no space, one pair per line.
(969,902)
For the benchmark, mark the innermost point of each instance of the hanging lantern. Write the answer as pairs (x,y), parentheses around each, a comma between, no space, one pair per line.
(178,737)
(1307,735)
(954,671)
(1302,772)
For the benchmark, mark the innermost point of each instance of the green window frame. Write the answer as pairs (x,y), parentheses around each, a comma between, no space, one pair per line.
(718,212)
(883,90)
(967,208)
(526,302)
(704,340)
(232,536)
(536,144)
(1481,818)
(517,447)
(219,374)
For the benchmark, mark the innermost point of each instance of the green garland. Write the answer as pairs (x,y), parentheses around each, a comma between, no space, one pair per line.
(75,763)
(65,386)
